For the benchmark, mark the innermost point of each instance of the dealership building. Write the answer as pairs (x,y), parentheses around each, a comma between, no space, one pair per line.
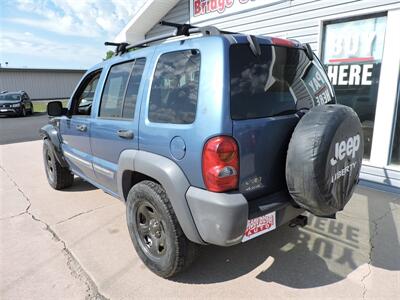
(357,41)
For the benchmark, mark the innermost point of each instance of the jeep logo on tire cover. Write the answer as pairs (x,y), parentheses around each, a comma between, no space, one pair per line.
(346,148)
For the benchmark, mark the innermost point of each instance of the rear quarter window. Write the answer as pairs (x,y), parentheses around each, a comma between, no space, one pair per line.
(174,91)
(280,81)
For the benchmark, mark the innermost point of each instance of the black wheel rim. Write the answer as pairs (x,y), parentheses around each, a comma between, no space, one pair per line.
(49,166)
(151,230)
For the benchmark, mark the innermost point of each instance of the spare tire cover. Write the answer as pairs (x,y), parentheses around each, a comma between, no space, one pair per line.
(324,159)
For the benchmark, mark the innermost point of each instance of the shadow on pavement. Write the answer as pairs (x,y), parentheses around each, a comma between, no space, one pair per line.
(324,252)
(80,185)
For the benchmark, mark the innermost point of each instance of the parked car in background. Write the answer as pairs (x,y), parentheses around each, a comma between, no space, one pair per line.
(15,104)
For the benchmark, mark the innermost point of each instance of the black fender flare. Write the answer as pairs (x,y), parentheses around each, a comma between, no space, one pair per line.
(170,176)
(51,133)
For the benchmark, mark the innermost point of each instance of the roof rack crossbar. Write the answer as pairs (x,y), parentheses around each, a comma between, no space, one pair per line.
(151,40)
(121,47)
(181,30)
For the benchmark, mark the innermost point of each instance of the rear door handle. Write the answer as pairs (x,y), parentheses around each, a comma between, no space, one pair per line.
(125,134)
(81,127)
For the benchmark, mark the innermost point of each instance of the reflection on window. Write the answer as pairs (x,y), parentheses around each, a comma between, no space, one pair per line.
(174,90)
(83,104)
(396,137)
(352,54)
(113,95)
(279,81)
(133,89)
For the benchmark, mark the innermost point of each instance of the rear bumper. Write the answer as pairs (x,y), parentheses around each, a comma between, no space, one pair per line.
(221,218)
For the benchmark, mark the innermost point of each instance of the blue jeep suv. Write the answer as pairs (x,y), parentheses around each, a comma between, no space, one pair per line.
(215,138)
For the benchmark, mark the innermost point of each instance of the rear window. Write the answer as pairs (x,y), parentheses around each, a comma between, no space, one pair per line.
(280,81)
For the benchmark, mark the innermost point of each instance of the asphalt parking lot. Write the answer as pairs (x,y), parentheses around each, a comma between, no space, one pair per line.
(21,129)
(74,244)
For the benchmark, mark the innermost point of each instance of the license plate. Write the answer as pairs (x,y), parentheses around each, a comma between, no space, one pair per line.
(3,110)
(258,226)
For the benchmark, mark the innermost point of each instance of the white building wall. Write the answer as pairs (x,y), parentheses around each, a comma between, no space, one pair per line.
(296,19)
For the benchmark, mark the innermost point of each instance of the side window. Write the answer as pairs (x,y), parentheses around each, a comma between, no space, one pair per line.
(112,99)
(174,91)
(83,99)
(133,89)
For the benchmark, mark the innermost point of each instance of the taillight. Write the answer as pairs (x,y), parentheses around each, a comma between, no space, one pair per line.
(220,164)
(282,42)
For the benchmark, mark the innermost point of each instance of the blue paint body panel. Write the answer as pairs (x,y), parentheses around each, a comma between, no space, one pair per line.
(262,142)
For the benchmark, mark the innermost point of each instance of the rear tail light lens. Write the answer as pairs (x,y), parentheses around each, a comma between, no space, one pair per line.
(220,164)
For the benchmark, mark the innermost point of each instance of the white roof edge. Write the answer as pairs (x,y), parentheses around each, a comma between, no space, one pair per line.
(147,16)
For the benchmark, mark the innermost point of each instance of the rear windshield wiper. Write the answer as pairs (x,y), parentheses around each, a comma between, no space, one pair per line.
(254,45)
(302,111)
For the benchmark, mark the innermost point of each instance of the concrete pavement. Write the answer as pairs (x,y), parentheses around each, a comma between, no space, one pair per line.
(74,244)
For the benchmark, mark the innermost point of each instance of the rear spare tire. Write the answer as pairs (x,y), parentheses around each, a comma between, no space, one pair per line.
(324,159)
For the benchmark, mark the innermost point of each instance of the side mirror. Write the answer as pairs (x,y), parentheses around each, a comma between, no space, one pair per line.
(55,109)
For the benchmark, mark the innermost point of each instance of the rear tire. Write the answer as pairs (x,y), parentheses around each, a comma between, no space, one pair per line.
(155,231)
(58,177)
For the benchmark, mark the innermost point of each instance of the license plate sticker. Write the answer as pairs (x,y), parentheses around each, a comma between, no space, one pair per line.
(258,226)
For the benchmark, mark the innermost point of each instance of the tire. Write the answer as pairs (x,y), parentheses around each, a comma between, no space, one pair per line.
(324,159)
(58,177)
(23,112)
(155,230)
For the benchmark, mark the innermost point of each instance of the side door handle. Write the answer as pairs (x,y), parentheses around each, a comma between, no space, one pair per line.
(125,134)
(81,127)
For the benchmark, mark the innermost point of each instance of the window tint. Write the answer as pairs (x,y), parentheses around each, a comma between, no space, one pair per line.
(82,101)
(133,89)
(173,97)
(13,97)
(114,90)
(396,138)
(279,81)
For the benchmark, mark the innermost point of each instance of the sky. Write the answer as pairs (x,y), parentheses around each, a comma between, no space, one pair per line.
(66,34)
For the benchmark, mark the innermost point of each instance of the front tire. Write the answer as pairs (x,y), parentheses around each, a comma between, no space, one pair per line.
(58,177)
(23,112)
(155,230)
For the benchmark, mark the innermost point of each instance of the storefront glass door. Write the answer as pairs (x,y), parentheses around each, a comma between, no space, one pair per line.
(352,51)
(395,155)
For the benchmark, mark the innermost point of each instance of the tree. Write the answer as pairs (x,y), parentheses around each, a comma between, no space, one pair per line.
(109,54)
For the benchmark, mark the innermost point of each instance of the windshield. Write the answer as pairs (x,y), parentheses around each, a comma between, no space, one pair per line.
(280,81)
(10,97)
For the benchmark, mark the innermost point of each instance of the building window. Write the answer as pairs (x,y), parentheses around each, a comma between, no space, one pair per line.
(395,157)
(173,97)
(352,53)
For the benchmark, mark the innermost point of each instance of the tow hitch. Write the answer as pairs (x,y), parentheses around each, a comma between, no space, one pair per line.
(299,221)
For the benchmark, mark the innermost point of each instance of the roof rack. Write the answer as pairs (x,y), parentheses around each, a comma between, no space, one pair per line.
(181,30)
(187,30)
